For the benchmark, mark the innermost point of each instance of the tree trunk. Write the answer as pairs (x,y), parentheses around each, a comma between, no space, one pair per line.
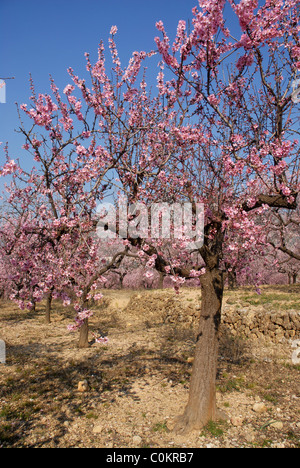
(295,276)
(232,281)
(201,407)
(161,280)
(48,307)
(84,335)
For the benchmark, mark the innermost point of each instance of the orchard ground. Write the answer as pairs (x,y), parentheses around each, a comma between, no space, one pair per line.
(133,387)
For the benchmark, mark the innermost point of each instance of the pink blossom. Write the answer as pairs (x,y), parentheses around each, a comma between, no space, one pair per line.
(149,275)
(113,30)
(69,89)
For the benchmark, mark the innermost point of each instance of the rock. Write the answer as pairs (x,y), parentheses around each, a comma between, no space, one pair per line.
(259,408)
(171,423)
(250,437)
(97,429)
(277,425)
(237,421)
(136,440)
(83,386)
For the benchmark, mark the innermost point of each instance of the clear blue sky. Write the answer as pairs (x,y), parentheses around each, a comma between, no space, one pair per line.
(45,37)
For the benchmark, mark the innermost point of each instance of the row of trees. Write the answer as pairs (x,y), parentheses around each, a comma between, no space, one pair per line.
(221,130)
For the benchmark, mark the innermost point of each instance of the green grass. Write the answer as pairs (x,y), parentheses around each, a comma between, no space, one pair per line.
(230,385)
(160,427)
(272,298)
(214,428)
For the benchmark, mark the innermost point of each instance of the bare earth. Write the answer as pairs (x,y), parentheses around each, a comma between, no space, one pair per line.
(138,383)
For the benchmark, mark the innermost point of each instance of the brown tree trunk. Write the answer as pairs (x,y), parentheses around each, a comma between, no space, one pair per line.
(295,276)
(201,407)
(48,308)
(84,335)
(161,280)
(232,282)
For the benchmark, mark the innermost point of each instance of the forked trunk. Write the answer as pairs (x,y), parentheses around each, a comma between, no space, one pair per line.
(201,407)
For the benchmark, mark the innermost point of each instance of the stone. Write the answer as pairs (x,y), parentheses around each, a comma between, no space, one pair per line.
(83,386)
(136,440)
(250,437)
(277,425)
(97,429)
(237,421)
(2,352)
(259,408)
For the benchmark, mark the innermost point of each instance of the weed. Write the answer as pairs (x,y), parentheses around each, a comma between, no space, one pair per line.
(214,428)
(160,427)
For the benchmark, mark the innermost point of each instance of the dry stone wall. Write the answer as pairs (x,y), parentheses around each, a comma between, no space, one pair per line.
(250,322)
(276,325)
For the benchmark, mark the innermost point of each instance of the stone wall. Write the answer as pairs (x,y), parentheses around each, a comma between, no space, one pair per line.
(250,322)
(277,325)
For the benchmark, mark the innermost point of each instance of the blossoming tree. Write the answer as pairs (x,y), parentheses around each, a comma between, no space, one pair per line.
(243,156)
(220,132)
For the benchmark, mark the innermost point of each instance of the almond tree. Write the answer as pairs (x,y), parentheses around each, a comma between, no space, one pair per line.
(77,141)
(221,131)
(244,155)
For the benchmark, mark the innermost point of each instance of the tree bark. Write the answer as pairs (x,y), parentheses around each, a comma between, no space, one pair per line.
(201,407)
(84,335)
(295,276)
(232,281)
(48,307)
(161,281)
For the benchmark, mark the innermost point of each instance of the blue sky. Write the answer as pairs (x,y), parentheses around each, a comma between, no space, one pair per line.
(45,37)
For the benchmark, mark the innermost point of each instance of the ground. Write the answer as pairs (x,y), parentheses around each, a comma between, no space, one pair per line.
(134,386)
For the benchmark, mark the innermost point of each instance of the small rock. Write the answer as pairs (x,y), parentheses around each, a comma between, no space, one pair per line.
(237,421)
(259,408)
(171,423)
(250,437)
(136,440)
(277,425)
(83,386)
(97,429)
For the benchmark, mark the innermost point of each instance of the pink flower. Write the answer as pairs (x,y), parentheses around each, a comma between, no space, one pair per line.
(285,190)
(69,89)
(160,26)
(113,30)
(81,150)
(102,340)
(149,275)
